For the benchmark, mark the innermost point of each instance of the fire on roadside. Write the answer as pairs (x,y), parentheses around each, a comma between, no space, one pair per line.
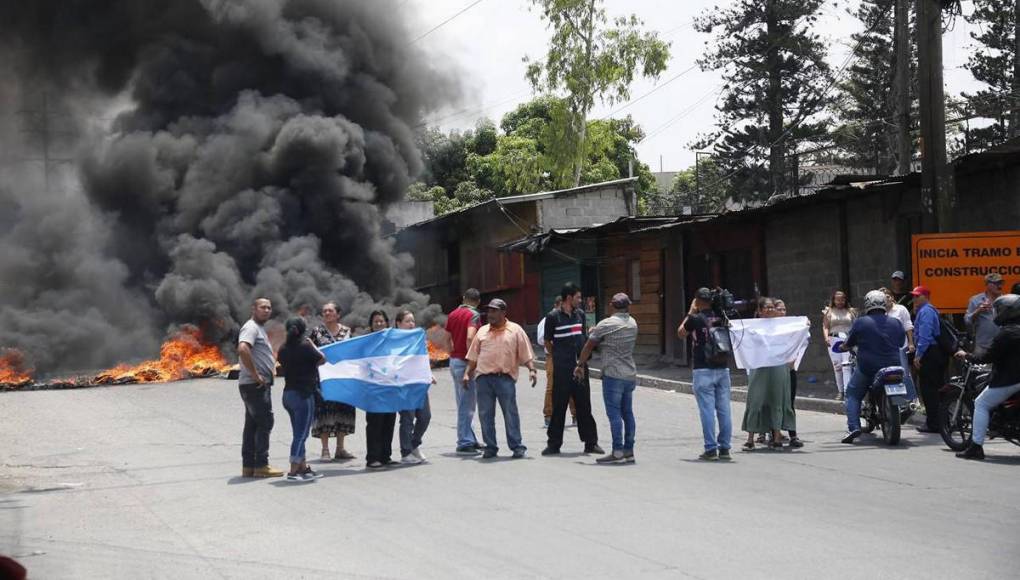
(13,368)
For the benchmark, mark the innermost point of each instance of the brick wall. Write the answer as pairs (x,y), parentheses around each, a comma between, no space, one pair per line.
(583,209)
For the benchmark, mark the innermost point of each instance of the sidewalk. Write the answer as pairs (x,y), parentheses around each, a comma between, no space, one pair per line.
(811,396)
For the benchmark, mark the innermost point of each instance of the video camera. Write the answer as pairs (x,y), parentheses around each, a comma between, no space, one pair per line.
(723,303)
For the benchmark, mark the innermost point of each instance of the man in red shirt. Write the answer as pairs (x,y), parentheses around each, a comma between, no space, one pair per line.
(462,324)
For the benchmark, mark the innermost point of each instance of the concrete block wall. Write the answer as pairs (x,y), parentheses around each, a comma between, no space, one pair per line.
(583,209)
(872,242)
(802,268)
(989,201)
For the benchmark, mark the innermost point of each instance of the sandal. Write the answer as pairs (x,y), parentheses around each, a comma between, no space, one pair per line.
(343,454)
(776,445)
(749,446)
(325,455)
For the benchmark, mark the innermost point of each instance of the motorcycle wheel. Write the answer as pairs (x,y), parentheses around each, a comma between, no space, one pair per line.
(955,422)
(891,423)
(868,422)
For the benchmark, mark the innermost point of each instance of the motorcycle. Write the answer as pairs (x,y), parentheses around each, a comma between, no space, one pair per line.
(886,404)
(956,409)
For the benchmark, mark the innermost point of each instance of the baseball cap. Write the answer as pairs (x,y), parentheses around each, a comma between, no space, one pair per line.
(898,275)
(921,291)
(993,278)
(497,304)
(703,294)
(621,300)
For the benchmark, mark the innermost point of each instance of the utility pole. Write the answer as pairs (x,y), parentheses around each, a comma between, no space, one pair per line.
(937,183)
(901,87)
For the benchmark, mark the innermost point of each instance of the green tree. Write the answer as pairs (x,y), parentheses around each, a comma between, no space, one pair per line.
(866,103)
(589,59)
(994,63)
(776,78)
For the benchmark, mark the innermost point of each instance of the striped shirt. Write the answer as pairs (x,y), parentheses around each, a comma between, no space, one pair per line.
(568,334)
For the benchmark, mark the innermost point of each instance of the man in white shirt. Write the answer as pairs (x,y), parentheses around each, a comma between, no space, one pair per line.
(900,312)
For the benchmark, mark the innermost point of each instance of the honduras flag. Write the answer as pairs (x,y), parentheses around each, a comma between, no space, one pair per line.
(383,372)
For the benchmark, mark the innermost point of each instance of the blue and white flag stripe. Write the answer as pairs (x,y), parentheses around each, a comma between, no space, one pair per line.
(382,372)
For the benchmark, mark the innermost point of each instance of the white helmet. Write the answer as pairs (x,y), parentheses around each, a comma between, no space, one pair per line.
(874,300)
(1007,309)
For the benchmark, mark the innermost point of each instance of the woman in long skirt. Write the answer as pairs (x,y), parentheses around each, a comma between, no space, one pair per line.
(332,419)
(769,408)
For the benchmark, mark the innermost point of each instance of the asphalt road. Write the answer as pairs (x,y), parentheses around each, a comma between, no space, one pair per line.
(142,482)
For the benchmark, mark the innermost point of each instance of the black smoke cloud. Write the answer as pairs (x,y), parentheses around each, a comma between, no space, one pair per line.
(253,149)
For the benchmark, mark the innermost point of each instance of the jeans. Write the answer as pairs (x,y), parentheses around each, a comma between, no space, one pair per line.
(984,404)
(413,425)
(618,395)
(502,388)
(712,391)
(855,391)
(301,408)
(379,436)
(258,423)
(467,402)
(565,387)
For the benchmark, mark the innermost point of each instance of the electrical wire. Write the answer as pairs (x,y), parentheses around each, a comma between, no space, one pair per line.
(447,21)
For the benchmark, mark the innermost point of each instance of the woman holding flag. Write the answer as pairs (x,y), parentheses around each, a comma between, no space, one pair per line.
(379,426)
(413,422)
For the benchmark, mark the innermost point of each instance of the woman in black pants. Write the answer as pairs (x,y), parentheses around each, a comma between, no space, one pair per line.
(379,426)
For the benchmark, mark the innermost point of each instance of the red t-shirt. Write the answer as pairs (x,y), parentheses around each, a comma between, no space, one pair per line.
(457,324)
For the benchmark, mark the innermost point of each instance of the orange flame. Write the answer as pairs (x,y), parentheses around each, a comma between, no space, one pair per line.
(13,369)
(181,357)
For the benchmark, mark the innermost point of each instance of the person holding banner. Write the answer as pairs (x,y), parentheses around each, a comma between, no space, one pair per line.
(768,408)
(499,349)
(299,361)
(413,422)
(379,426)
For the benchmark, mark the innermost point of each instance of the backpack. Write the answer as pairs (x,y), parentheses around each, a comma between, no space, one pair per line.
(718,346)
(948,338)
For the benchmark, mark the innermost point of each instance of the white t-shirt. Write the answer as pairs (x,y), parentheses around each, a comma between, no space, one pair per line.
(900,312)
(541,332)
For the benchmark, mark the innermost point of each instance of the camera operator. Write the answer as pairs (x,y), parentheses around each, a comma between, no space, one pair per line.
(711,376)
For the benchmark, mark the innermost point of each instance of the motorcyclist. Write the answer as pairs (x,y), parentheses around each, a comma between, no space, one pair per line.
(1004,356)
(878,339)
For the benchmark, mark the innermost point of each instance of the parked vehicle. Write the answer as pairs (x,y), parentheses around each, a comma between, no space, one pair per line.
(886,405)
(956,409)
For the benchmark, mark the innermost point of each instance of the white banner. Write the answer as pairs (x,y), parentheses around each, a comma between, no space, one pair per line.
(770,342)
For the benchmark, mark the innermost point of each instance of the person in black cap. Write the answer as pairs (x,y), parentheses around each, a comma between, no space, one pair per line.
(498,351)
(900,290)
(711,378)
(565,335)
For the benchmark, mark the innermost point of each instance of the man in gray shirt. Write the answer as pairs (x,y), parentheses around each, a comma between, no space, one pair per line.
(255,381)
(980,317)
(615,338)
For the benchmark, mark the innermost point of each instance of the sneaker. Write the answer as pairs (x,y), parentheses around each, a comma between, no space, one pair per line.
(796,443)
(595,449)
(469,450)
(614,457)
(309,475)
(417,453)
(410,459)
(375,465)
(266,471)
(629,456)
(724,455)
(294,477)
(488,454)
(479,446)
(551,451)
(974,451)
(711,455)
(519,453)
(849,438)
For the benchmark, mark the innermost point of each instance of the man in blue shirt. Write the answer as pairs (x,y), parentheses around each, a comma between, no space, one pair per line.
(930,361)
(878,339)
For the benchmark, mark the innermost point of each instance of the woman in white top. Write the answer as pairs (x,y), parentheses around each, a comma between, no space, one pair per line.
(837,318)
(900,312)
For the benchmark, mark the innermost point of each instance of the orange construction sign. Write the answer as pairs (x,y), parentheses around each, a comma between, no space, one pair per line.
(953,266)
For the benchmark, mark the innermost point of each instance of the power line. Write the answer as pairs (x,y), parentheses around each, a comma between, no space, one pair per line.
(635,100)
(447,21)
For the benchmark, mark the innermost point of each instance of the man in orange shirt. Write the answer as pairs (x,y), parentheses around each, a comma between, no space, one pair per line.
(498,351)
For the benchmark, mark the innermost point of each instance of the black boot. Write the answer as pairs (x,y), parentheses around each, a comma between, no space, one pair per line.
(974,451)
